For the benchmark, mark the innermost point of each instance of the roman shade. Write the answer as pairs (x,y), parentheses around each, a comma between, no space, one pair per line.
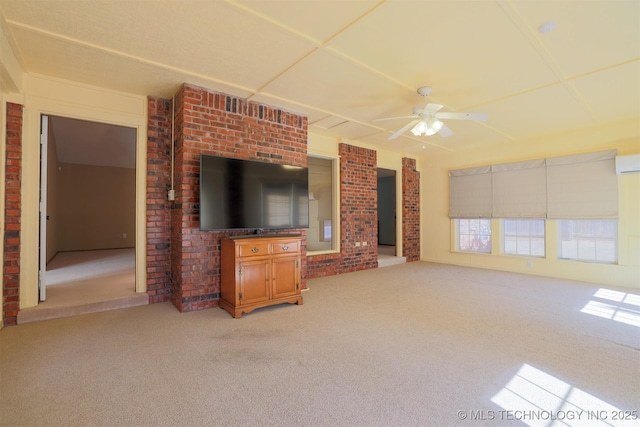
(581,186)
(519,190)
(470,193)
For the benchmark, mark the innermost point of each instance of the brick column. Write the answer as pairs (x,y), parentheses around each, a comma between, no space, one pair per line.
(358,216)
(158,205)
(208,122)
(410,210)
(358,208)
(12,212)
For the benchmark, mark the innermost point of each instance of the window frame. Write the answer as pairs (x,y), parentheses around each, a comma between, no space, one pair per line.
(528,236)
(458,236)
(577,223)
(335,206)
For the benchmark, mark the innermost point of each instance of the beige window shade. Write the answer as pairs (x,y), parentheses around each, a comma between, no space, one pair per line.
(470,193)
(519,190)
(583,186)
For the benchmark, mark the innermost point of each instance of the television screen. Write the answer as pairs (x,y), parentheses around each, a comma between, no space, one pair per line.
(249,194)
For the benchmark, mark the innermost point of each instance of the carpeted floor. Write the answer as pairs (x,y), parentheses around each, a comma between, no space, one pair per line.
(416,344)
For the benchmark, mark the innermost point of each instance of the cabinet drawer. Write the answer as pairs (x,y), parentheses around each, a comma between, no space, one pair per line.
(286,247)
(250,249)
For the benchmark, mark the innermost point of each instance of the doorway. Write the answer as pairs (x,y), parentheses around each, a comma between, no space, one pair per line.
(386,211)
(87,244)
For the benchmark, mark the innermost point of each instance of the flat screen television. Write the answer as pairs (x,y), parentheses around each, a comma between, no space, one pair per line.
(252,195)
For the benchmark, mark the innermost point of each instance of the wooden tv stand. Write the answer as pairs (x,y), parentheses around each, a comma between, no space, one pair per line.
(259,271)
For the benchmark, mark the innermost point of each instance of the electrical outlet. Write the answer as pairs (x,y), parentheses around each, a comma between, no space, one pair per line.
(364,243)
(357,244)
(529,264)
(124,235)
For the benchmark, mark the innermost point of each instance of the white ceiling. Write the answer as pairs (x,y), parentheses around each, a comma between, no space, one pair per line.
(346,63)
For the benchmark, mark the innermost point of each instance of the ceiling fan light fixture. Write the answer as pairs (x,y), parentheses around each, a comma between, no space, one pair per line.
(420,128)
(433,127)
(427,127)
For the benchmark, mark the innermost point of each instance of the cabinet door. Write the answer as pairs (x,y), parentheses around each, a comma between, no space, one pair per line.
(286,277)
(254,281)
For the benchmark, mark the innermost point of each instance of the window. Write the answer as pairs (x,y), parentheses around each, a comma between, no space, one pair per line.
(474,235)
(322,233)
(523,237)
(589,240)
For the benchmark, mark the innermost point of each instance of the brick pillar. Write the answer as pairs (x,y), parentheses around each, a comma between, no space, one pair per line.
(158,205)
(12,212)
(410,210)
(358,208)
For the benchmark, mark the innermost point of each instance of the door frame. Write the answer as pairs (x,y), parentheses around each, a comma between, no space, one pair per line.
(54,97)
(42,207)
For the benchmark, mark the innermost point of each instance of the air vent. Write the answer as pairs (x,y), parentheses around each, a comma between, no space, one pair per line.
(231,104)
(627,164)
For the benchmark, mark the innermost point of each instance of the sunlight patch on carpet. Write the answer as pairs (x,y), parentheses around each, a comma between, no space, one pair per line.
(537,398)
(615,305)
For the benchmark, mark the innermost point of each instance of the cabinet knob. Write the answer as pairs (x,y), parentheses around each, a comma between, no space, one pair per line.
(285,247)
(254,250)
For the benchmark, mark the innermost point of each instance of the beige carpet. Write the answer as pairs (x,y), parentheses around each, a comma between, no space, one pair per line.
(416,344)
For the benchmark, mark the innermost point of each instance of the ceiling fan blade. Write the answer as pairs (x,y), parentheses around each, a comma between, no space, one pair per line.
(413,116)
(445,131)
(405,128)
(462,116)
(430,109)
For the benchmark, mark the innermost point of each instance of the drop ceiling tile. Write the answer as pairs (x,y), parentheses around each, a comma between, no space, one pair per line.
(206,38)
(329,83)
(317,20)
(54,57)
(468,52)
(552,109)
(614,93)
(589,35)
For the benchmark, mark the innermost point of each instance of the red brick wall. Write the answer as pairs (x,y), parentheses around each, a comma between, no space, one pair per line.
(158,212)
(183,263)
(358,207)
(410,210)
(12,211)
(207,122)
(358,216)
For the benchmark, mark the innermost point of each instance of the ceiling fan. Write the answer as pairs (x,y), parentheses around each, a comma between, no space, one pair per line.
(427,118)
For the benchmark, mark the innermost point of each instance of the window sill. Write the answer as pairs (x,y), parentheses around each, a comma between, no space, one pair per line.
(328,252)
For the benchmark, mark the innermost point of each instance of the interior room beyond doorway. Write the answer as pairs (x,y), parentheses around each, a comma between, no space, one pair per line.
(90,227)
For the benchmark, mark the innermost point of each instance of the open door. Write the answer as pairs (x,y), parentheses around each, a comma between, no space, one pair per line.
(42,256)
